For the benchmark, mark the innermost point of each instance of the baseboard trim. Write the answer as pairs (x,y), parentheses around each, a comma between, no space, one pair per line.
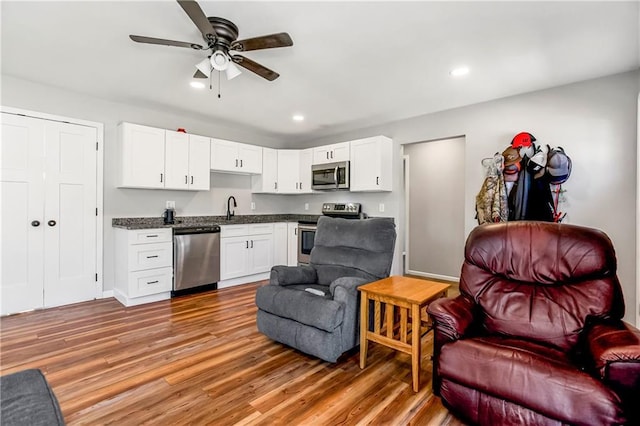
(435,276)
(108,293)
(243,280)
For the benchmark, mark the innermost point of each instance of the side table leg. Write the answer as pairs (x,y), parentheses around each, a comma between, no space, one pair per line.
(415,346)
(364,327)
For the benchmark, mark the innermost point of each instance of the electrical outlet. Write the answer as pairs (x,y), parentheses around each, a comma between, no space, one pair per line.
(253,205)
(306,206)
(381,207)
(171,204)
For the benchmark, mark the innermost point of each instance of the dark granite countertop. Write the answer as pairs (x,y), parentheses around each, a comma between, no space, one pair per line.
(195,221)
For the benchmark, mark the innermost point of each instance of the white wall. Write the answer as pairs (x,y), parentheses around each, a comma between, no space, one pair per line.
(595,121)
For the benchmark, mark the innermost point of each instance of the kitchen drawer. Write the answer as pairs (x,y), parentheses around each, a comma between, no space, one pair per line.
(143,283)
(234,231)
(147,256)
(147,236)
(260,228)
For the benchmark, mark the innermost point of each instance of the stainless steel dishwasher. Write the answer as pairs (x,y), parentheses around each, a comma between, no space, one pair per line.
(196,259)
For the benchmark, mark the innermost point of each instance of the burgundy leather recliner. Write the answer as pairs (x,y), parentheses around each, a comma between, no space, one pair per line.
(536,336)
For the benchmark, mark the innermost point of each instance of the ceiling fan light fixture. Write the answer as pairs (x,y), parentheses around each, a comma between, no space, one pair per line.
(204,67)
(219,60)
(459,72)
(197,84)
(232,71)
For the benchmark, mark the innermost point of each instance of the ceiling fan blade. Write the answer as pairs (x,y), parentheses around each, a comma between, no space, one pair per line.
(200,74)
(198,17)
(161,41)
(264,42)
(255,67)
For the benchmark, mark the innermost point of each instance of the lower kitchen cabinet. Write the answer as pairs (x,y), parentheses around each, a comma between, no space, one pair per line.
(245,250)
(292,244)
(280,243)
(144,271)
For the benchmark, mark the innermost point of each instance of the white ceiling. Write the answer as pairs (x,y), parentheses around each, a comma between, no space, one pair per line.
(353,64)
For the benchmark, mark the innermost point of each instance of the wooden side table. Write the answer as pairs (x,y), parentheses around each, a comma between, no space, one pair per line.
(403,294)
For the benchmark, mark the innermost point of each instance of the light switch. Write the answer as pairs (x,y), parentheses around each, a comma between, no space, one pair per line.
(381,207)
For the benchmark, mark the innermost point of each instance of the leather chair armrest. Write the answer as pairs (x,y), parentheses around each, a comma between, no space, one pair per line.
(452,316)
(615,352)
(287,275)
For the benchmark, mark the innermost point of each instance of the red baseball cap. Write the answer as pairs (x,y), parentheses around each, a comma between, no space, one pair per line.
(522,139)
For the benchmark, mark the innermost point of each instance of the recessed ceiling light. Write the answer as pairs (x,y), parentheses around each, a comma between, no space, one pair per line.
(197,84)
(458,72)
(298,117)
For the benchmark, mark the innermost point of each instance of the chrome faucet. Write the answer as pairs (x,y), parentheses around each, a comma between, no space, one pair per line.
(230,214)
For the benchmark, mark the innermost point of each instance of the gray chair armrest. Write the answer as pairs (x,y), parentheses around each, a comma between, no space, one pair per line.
(348,284)
(287,275)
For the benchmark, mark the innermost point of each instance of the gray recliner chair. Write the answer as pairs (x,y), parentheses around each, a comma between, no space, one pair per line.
(324,322)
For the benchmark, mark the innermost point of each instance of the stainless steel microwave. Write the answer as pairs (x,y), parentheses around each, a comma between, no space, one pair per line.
(330,176)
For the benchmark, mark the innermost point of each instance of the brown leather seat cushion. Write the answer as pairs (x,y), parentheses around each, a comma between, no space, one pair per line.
(529,374)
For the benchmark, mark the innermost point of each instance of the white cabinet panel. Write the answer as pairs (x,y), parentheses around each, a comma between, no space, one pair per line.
(260,253)
(234,257)
(245,249)
(199,167)
(371,164)
(288,171)
(235,157)
(331,153)
(142,156)
(280,243)
(144,259)
(267,182)
(305,160)
(292,243)
(176,160)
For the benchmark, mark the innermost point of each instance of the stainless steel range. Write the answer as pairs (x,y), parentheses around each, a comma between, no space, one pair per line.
(307,230)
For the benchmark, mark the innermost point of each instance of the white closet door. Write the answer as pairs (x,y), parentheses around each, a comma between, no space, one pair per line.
(21,193)
(70,213)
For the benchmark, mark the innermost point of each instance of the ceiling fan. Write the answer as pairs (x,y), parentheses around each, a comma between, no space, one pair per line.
(220,36)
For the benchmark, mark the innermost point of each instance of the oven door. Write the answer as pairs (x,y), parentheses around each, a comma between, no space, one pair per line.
(306,235)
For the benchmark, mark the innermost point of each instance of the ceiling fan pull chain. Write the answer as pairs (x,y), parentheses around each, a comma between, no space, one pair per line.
(219,84)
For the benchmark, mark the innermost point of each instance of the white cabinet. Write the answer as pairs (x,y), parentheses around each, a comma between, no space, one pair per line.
(331,153)
(280,243)
(371,161)
(162,159)
(48,213)
(292,243)
(187,161)
(294,171)
(144,271)
(142,156)
(245,250)
(267,182)
(235,157)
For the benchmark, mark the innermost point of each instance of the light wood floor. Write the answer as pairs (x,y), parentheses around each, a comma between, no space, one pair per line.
(200,360)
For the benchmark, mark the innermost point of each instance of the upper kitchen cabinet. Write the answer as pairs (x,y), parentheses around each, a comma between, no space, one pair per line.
(187,161)
(267,182)
(294,171)
(142,156)
(162,159)
(331,153)
(371,160)
(235,157)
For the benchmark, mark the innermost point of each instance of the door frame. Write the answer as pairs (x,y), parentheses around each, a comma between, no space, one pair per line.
(99,179)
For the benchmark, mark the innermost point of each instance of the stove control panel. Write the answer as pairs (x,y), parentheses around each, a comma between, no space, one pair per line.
(341,209)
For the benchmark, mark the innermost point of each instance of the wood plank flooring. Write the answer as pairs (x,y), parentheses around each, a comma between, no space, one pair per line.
(200,359)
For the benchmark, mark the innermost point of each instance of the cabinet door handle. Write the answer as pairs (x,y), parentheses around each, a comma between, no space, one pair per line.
(161,177)
(327,155)
(247,244)
(236,162)
(35,223)
(251,243)
(153,282)
(331,154)
(185,179)
(241,163)
(301,186)
(51,223)
(377,180)
(295,231)
(275,185)
(296,185)
(152,236)
(151,257)
(191,180)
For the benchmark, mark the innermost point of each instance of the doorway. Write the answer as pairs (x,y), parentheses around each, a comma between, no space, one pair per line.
(434,203)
